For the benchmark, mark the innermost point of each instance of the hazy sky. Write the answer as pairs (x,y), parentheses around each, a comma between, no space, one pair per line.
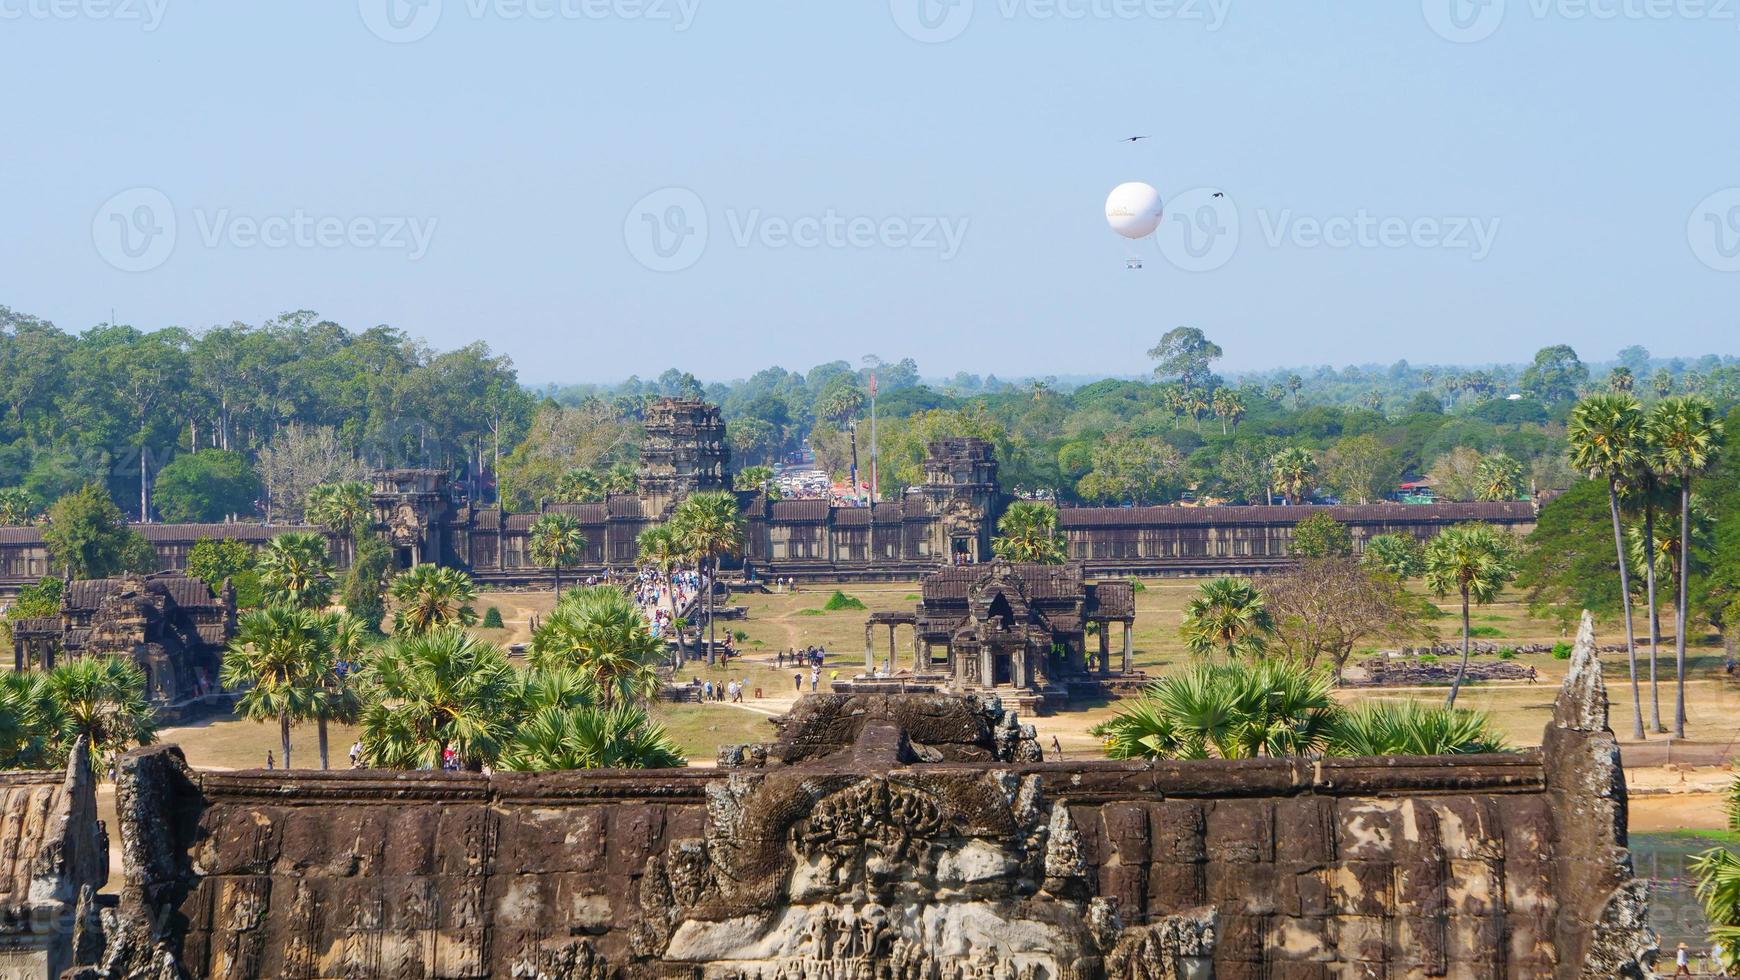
(606,187)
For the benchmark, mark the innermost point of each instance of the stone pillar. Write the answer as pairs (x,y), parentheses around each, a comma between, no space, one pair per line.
(920,652)
(1129,650)
(869,648)
(1105,649)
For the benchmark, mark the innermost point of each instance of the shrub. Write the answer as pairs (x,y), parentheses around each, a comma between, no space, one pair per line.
(492,619)
(840,600)
(1428,658)
(1487,631)
(1508,653)
(1136,585)
(1561,650)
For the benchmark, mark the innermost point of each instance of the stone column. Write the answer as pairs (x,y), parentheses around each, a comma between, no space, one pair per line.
(920,652)
(1129,650)
(891,661)
(1105,648)
(869,648)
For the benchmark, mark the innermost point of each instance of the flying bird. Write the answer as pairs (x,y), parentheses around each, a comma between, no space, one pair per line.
(1133,139)
(1219,194)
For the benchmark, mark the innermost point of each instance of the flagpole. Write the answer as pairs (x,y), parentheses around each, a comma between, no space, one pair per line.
(872,549)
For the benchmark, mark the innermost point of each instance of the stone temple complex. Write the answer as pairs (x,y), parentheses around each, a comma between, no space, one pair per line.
(1017,630)
(875,836)
(948,519)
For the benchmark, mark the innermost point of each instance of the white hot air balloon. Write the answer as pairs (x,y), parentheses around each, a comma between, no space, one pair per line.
(1134,210)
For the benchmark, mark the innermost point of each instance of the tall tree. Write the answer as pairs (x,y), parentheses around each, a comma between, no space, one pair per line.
(1185,355)
(343,509)
(1474,562)
(435,691)
(1228,614)
(661,550)
(432,597)
(1607,441)
(711,527)
(603,634)
(206,487)
(1294,471)
(276,658)
(101,700)
(1027,532)
(87,536)
(556,540)
(1685,436)
(296,571)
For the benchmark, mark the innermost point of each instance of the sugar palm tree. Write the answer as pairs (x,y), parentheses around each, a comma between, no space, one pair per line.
(1377,728)
(661,551)
(277,655)
(296,571)
(711,527)
(1684,435)
(100,699)
(430,597)
(1228,614)
(1498,477)
(1027,532)
(433,691)
(1718,871)
(342,508)
(1229,407)
(1229,711)
(17,507)
(335,697)
(563,726)
(602,634)
(1295,473)
(1645,486)
(556,540)
(1400,555)
(621,478)
(1475,562)
(1607,442)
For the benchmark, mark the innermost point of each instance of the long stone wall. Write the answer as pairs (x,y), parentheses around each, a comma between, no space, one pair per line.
(891,836)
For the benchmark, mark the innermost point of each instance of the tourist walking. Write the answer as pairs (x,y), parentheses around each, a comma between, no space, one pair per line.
(271,763)
(1682,961)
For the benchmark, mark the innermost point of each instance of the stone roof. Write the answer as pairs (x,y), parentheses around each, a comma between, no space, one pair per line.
(1069,518)
(1041,582)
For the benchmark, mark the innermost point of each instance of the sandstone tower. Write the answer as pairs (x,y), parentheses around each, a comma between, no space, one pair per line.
(684,452)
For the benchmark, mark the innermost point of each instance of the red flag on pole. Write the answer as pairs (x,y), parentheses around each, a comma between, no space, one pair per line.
(872,384)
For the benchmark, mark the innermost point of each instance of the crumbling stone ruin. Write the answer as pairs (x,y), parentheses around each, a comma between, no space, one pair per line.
(53,858)
(174,626)
(909,836)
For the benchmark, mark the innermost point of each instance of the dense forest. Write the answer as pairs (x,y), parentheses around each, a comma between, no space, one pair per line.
(240,420)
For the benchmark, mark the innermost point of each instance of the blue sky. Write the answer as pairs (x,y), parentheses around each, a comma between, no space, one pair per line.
(1406,178)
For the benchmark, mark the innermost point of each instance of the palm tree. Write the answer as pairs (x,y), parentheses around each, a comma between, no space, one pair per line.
(1027,532)
(17,508)
(1227,614)
(335,698)
(759,479)
(1685,435)
(564,727)
(660,550)
(342,508)
(1295,473)
(1400,555)
(1476,562)
(295,571)
(621,478)
(602,634)
(1621,379)
(1607,441)
(430,597)
(557,540)
(1229,407)
(100,699)
(278,654)
(26,716)
(1498,477)
(1410,728)
(1230,711)
(1718,871)
(433,691)
(580,485)
(710,526)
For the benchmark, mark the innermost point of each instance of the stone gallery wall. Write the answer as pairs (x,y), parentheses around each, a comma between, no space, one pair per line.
(896,836)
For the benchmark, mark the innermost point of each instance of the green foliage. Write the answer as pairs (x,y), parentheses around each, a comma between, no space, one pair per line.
(1027,532)
(87,536)
(1507,653)
(205,487)
(1475,562)
(100,699)
(1400,555)
(1294,471)
(296,571)
(1562,650)
(841,601)
(1321,536)
(1229,711)
(1568,562)
(1389,728)
(492,619)
(1718,874)
(366,581)
(602,634)
(428,598)
(213,560)
(274,658)
(433,690)
(1485,631)
(591,737)
(1227,614)
(556,541)
(17,507)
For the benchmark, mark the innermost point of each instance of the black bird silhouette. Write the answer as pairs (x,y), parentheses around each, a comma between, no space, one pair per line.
(1219,194)
(1133,139)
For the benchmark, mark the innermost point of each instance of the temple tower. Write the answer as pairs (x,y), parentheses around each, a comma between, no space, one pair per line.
(960,486)
(684,452)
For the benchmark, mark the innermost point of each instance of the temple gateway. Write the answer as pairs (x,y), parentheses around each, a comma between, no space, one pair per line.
(1022,631)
